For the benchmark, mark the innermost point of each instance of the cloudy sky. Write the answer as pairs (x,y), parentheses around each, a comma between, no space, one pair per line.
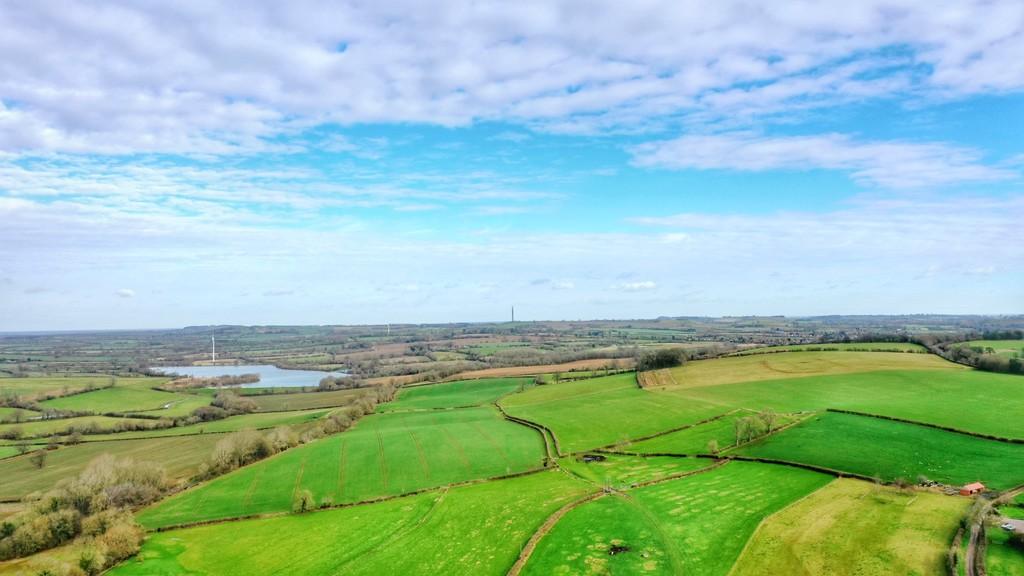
(167,164)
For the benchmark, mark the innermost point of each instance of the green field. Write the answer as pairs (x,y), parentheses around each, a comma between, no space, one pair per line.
(455,394)
(621,472)
(695,440)
(890,450)
(1001,557)
(6,412)
(1005,348)
(430,482)
(839,346)
(962,399)
(384,454)
(306,400)
(180,456)
(599,411)
(43,428)
(256,421)
(475,529)
(757,367)
(854,527)
(693,525)
(38,386)
(125,399)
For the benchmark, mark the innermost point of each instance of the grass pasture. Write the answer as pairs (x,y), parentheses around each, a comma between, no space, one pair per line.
(590,413)
(854,527)
(962,399)
(307,400)
(179,456)
(9,413)
(695,440)
(1001,557)
(838,347)
(476,529)
(456,394)
(621,472)
(257,421)
(565,367)
(383,455)
(760,367)
(1004,348)
(130,399)
(891,450)
(58,426)
(692,525)
(35,387)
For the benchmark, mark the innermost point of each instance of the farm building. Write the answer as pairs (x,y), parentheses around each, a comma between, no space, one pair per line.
(972,488)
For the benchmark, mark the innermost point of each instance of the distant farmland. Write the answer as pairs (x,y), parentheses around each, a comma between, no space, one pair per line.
(592,474)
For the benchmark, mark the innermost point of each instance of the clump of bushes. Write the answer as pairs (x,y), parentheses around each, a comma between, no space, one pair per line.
(661,358)
(328,383)
(225,403)
(95,506)
(186,382)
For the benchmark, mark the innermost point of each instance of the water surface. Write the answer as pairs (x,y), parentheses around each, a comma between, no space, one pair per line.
(270,376)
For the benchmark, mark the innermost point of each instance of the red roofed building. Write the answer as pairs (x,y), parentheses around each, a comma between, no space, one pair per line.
(972,488)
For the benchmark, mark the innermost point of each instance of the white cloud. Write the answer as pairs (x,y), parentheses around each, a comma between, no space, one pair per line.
(891,164)
(123,77)
(638,286)
(865,258)
(510,136)
(125,293)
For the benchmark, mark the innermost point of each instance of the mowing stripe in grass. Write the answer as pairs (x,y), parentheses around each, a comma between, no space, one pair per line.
(454,443)
(383,461)
(420,453)
(343,457)
(298,476)
(487,437)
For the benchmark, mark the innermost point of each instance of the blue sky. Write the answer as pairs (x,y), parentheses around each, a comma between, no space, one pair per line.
(323,163)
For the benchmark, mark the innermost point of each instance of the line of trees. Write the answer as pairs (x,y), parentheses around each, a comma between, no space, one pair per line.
(952,347)
(187,382)
(247,446)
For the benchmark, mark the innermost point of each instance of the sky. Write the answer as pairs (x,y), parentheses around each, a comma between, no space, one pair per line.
(303,162)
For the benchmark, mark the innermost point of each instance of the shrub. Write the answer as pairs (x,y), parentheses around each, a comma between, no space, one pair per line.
(232,403)
(661,358)
(282,438)
(209,413)
(38,458)
(121,541)
(237,449)
(303,502)
(93,504)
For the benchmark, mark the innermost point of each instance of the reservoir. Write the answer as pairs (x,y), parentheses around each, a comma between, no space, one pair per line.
(270,376)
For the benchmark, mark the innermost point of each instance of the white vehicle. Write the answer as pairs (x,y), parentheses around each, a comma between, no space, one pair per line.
(1007,526)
